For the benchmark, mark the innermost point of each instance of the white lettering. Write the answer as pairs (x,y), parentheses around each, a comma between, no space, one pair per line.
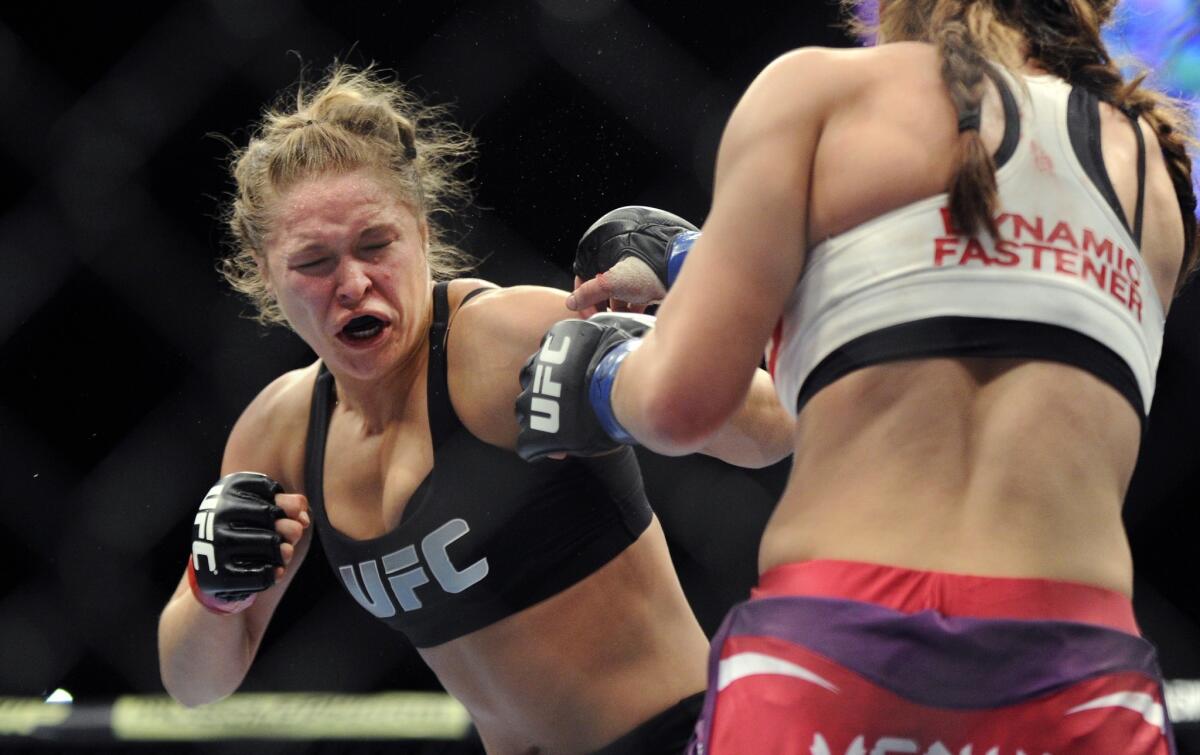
(375,599)
(544,384)
(405,572)
(203,522)
(543,412)
(210,498)
(208,552)
(555,355)
(404,585)
(821,747)
(543,415)
(434,547)
(887,745)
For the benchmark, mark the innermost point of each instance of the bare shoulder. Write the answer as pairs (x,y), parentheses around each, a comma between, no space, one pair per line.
(490,338)
(269,436)
(512,310)
(847,70)
(803,76)
(902,57)
(796,96)
(492,329)
(889,80)
(897,60)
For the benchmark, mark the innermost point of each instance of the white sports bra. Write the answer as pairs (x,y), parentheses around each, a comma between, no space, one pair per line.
(1065,281)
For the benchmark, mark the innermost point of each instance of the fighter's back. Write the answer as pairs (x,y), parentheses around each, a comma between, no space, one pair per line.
(961,458)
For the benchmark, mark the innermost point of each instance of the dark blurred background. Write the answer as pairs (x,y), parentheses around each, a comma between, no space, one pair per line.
(124,360)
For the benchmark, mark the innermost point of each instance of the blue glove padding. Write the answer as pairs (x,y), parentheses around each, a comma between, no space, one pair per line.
(642,232)
(564,383)
(677,252)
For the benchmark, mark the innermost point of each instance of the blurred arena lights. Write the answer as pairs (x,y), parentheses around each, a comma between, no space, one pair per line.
(1163,37)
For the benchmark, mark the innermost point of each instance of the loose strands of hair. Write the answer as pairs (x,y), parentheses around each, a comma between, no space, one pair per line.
(349,119)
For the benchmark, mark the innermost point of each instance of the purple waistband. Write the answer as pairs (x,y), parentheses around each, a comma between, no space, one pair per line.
(945,662)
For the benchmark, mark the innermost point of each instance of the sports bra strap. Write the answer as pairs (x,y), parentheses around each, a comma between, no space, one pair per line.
(318,428)
(1139,213)
(1083,125)
(443,421)
(1012,117)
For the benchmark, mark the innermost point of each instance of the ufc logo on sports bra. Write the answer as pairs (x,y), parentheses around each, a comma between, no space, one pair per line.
(404,572)
(543,412)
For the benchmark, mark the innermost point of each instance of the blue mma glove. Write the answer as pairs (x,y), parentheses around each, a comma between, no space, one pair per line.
(565,401)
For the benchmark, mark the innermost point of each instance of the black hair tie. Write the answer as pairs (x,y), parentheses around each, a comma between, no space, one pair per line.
(970,120)
(409,141)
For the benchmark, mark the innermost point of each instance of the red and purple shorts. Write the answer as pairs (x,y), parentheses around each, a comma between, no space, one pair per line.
(844,658)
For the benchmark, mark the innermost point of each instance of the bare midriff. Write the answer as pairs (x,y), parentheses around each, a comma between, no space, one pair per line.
(990,467)
(582,668)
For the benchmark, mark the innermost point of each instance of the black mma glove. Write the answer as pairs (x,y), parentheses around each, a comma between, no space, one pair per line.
(235,548)
(565,404)
(642,232)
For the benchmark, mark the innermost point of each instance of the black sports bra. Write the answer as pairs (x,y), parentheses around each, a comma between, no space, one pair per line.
(485,535)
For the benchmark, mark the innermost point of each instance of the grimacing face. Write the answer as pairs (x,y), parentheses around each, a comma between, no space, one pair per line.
(346,260)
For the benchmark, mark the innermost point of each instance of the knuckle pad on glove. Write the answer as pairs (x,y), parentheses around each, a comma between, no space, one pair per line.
(250,515)
(634,324)
(237,537)
(643,232)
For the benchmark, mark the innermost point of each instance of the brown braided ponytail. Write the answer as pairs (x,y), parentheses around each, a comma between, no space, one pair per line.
(973,193)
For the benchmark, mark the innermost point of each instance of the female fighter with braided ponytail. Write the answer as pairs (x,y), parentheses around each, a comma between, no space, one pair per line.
(542,596)
(958,248)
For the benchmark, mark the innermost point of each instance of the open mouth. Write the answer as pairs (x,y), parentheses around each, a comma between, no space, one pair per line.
(362,330)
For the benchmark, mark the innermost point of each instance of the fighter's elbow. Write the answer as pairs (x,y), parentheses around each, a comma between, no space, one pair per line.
(760,458)
(191,695)
(188,700)
(679,423)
